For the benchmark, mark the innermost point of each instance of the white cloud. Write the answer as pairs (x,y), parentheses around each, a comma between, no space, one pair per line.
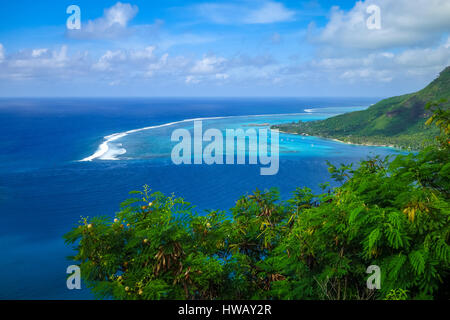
(192,80)
(147,53)
(377,67)
(110,57)
(243,60)
(158,65)
(44,64)
(61,55)
(209,64)
(40,59)
(119,14)
(141,65)
(424,58)
(218,13)
(270,12)
(38,52)
(222,76)
(403,23)
(369,75)
(245,12)
(113,24)
(133,60)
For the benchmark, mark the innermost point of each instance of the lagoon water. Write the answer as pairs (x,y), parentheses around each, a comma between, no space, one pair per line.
(45,188)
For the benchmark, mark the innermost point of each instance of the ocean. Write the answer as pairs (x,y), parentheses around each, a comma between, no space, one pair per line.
(45,186)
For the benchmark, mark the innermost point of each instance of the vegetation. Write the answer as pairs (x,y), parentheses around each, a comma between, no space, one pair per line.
(393,213)
(398,121)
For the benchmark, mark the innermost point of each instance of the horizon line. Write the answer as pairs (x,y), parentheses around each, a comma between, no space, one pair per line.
(186,97)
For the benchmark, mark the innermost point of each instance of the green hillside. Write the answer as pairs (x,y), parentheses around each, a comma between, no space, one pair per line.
(397,121)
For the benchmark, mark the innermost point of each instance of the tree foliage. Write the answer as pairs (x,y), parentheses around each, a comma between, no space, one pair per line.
(393,213)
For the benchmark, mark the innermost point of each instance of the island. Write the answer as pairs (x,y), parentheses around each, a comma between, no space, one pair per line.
(397,122)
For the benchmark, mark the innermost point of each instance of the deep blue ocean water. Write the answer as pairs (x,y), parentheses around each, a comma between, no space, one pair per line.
(44,188)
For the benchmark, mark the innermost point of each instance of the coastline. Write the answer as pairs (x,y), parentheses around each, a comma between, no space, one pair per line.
(345,142)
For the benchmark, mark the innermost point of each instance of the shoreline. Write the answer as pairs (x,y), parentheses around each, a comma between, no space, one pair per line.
(340,141)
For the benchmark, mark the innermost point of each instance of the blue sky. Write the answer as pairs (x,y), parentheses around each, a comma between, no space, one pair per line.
(222,48)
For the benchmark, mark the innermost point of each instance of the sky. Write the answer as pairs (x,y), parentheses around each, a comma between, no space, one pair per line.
(246,48)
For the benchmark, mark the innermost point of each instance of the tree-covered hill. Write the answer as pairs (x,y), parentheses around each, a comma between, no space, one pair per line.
(397,121)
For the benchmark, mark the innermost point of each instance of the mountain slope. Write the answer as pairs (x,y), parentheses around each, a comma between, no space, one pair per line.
(397,121)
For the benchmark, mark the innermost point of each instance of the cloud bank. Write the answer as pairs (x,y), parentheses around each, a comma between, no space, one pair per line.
(411,47)
(404,23)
